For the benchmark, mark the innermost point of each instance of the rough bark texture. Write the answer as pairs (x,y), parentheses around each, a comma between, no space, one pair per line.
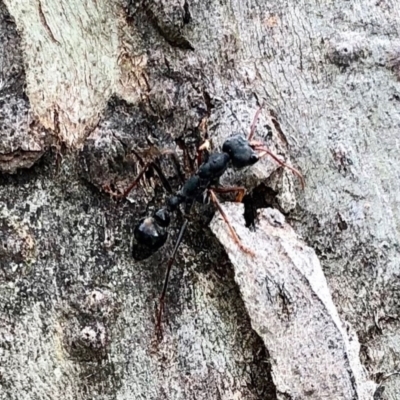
(288,300)
(116,83)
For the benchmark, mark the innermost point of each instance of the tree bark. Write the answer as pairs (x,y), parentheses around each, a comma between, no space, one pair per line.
(91,91)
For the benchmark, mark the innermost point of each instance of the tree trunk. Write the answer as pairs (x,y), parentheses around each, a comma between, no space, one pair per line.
(92,91)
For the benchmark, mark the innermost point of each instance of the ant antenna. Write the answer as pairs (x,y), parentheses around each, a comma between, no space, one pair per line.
(254,124)
(265,150)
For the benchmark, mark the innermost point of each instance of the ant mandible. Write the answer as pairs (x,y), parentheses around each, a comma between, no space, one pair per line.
(238,152)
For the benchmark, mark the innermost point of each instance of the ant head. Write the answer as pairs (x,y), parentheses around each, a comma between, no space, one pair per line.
(240,152)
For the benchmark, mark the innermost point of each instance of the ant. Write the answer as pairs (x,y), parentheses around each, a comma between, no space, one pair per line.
(237,152)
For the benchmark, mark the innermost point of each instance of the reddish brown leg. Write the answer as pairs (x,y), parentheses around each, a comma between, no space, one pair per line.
(204,134)
(264,151)
(135,182)
(253,124)
(145,168)
(204,147)
(226,219)
(241,191)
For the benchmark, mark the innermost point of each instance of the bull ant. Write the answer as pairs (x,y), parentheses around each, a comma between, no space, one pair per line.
(237,152)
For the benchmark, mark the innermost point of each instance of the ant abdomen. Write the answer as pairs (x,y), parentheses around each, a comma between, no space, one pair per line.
(149,233)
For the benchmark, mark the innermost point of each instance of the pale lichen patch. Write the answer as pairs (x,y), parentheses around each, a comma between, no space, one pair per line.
(70,51)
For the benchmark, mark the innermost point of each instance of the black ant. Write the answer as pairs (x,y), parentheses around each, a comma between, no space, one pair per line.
(238,152)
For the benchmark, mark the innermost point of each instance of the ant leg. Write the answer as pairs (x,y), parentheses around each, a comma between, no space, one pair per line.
(145,168)
(253,124)
(204,147)
(157,168)
(136,181)
(203,129)
(225,217)
(169,266)
(264,151)
(164,180)
(241,191)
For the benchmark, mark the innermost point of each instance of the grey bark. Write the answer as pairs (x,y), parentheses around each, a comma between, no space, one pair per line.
(290,307)
(90,90)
